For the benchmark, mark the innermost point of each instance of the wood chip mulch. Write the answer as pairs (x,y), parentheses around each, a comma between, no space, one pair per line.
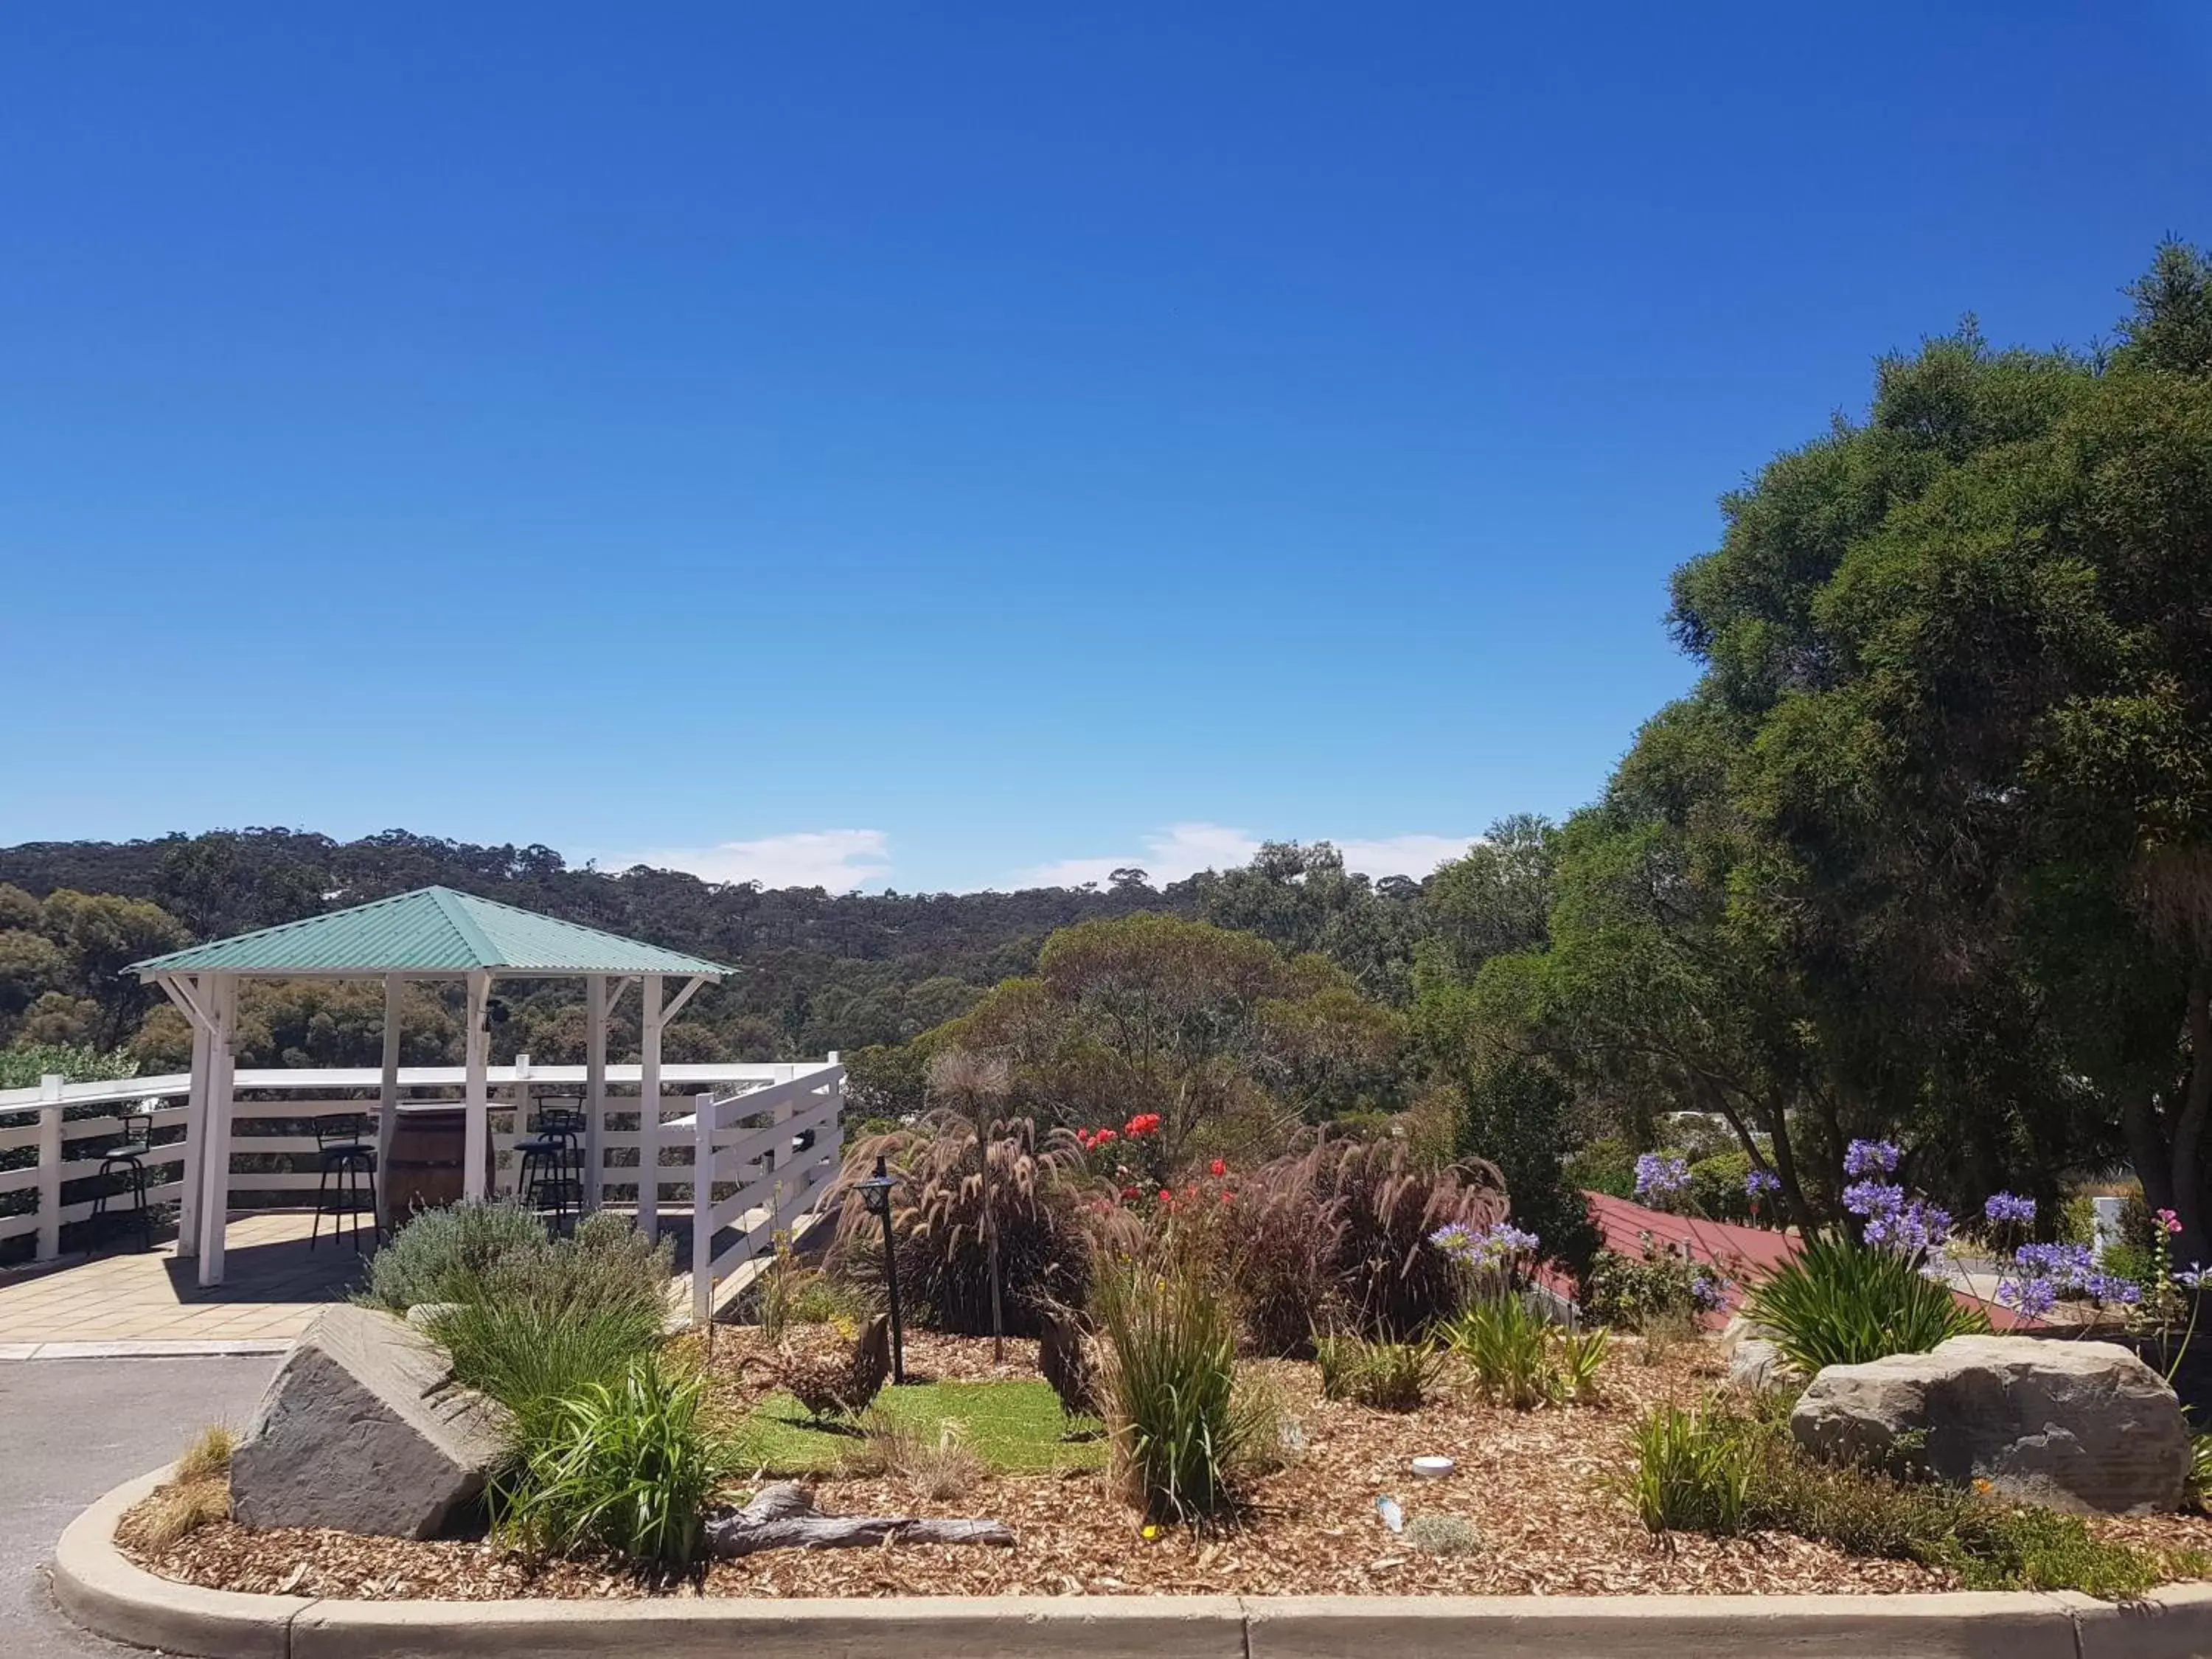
(1537,1486)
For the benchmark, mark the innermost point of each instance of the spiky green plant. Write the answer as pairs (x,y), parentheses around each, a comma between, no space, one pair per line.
(1170,1388)
(627,1466)
(1693,1472)
(1835,1303)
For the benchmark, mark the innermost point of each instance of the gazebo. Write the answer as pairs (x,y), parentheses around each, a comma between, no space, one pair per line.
(432,933)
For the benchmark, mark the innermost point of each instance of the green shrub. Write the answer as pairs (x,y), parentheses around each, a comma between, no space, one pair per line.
(1712,1471)
(627,1466)
(1170,1385)
(1716,1188)
(1664,1285)
(1387,1376)
(1839,1304)
(1606,1165)
(1693,1472)
(442,1254)
(23,1063)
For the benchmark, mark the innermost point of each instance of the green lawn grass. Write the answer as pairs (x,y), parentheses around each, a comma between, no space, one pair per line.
(1016,1428)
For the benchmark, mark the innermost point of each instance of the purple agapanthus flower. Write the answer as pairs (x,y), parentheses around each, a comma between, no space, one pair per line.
(1660,1177)
(2008,1207)
(2192,1277)
(2032,1297)
(1870,1157)
(1491,1249)
(1759,1182)
(1871,1199)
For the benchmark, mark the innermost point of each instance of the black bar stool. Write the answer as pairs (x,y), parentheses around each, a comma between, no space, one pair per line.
(348,1184)
(127,1158)
(551,1176)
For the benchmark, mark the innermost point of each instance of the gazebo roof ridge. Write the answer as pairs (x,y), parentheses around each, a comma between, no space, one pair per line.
(430,930)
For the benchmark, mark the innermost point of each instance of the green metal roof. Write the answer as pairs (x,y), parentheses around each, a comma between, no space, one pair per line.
(432,930)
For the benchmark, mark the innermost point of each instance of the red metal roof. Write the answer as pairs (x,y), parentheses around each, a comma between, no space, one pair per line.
(1738,1251)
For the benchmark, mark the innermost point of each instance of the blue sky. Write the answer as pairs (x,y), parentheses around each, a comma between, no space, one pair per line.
(946,446)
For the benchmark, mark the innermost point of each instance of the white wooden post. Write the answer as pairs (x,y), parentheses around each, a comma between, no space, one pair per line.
(475,1094)
(702,1210)
(595,1087)
(648,1109)
(196,1098)
(511,1180)
(388,1101)
(50,1169)
(222,991)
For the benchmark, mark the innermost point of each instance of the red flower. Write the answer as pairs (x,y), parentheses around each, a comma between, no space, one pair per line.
(1128,1192)
(1144,1123)
(1166,1196)
(1228,1197)
(1100,1136)
(1218,1169)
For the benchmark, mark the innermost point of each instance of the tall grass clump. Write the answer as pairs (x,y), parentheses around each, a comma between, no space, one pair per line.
(1521,1360)
(1692,1472)
(534,1324)
(197,1492)
(1836,1302)
(1387,1376)
(628,1466)
(1170,1388)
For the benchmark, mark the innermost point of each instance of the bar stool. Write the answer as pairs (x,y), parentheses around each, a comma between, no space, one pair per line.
(127,1158)
(348,1184)
(551,1176)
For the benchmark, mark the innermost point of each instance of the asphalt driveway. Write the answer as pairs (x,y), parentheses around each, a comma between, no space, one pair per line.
(71,1429)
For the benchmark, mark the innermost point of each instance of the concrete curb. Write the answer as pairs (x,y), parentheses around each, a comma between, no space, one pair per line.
(147,1348)
(105,1593)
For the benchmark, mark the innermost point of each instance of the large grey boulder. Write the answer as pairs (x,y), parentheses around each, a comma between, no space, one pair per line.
(2084,1426)
(1757,1365)
(364,1430)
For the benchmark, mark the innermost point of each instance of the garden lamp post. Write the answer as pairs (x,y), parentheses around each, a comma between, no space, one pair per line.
(876,1194)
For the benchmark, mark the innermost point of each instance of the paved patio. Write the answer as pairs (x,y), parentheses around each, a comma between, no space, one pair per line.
(273,1284)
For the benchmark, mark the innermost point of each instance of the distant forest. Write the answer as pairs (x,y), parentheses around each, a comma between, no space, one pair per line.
(819,970)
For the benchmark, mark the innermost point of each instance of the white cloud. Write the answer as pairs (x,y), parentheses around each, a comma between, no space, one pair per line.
(1184,849)
(839,859)
(1415,855)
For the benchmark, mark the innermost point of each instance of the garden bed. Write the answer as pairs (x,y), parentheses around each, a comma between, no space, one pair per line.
(1538,1488)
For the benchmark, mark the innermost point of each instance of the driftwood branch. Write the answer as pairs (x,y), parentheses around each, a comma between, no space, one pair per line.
(783,1516)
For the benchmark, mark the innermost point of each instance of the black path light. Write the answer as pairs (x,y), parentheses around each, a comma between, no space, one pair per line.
(876,1193)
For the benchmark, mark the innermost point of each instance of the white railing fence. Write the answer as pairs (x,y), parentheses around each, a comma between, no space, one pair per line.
(760,1160)
(52,1137)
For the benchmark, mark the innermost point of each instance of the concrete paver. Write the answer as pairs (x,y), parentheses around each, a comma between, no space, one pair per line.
(274,1283)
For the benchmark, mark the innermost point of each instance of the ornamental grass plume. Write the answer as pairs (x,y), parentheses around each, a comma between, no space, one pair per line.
(938,1232)
(975,1086)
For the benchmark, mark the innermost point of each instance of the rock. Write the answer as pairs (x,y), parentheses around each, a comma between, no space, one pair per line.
(2083,1427)
(423,1314)
(363,1429)
(1756,1365)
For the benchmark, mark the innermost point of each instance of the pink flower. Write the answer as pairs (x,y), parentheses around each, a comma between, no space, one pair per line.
(1218,1169)
(2171,1222)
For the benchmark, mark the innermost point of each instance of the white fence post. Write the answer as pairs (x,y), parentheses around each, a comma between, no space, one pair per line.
(50,1169)
(703,1209)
